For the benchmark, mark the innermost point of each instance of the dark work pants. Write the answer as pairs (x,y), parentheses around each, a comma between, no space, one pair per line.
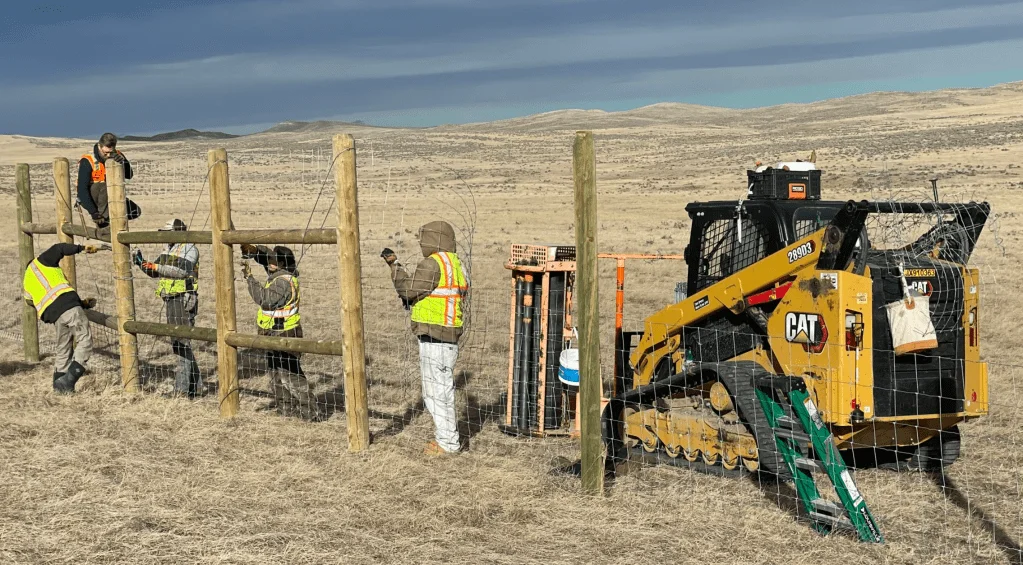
(99,196)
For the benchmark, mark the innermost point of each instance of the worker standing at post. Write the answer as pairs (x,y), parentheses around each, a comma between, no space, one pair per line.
(92,182)
(278,299)
(178,270)
(435,294)
(56,302)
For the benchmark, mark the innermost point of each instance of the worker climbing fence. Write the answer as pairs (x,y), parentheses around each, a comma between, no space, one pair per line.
(520,405)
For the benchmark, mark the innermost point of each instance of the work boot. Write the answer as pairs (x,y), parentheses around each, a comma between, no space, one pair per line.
(65,384)
(56,375)
(434,449)
(311,413)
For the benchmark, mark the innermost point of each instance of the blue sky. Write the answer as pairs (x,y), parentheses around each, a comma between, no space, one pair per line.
(81,68)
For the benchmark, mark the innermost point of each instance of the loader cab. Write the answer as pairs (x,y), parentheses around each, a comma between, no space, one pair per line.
(781,206)
(728,236)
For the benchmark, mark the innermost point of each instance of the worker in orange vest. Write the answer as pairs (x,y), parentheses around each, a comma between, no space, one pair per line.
(92,182)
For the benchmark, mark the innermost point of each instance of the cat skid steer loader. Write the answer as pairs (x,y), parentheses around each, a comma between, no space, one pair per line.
(788,291)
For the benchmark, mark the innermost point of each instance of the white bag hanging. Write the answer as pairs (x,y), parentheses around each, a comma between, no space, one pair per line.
(910,321)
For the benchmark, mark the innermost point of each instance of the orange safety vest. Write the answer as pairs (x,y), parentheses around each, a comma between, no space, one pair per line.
(99,170)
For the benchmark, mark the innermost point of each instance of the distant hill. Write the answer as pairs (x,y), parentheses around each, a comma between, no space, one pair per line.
(180,135)
(317,126)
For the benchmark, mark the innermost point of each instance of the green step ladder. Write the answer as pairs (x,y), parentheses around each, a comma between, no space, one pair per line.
(792,438)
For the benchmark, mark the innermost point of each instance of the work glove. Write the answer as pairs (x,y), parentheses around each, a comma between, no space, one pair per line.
(248,249)
(119,157)
(91,248)
(388,255)
(137,258)
(88,303)
(246,271)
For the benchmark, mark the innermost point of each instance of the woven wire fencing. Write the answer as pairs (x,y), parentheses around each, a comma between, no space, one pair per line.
(973,504)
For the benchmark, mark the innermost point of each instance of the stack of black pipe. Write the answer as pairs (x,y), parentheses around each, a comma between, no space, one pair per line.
(527,351)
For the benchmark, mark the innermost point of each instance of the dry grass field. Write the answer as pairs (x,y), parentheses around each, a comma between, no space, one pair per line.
(105,477)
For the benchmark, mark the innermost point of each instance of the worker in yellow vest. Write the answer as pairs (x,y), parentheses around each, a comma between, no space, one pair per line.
(435,294)
(177,267)
(278,298)
(56,302)
(92,182)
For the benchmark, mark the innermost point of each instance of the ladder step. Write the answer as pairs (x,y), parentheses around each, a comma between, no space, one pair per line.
(827,507)
(805,464)
(833,521)
(798,437)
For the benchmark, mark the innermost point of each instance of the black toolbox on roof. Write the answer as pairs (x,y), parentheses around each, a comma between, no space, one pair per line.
(780,184)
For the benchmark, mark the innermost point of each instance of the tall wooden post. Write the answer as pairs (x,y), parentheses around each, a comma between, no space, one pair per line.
(62,188)
(26,254)
(124,289)
(223,280)
(584,173)
(353,344)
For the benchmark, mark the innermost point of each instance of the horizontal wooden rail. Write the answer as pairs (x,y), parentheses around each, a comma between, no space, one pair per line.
(105,320)
(170,330)
(39,229)
(289,344)
(312,236)
(135,237)
(83,231)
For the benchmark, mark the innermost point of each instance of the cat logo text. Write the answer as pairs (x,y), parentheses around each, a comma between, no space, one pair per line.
(808,330)
(921,287)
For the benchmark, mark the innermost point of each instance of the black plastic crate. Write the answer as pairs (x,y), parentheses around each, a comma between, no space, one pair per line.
(779,184)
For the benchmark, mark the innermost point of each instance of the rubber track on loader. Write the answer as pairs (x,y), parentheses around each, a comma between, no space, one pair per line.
(637,453)
(739,377)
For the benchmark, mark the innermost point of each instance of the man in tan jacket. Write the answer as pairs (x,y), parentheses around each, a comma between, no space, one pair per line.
(434,294)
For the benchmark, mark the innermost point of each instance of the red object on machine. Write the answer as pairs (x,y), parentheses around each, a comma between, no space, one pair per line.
(776,293)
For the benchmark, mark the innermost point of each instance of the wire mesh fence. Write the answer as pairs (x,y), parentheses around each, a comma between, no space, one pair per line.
(971,505)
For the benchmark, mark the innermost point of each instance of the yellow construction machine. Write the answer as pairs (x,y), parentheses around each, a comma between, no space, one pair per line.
(781,285)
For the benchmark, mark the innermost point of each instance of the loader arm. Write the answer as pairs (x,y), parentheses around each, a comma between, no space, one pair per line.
(827,248)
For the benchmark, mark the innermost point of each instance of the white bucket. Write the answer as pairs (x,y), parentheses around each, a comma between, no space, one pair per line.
(568,372)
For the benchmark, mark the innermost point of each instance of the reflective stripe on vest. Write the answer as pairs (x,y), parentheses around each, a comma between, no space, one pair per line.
(443,306)
(284,318)
(44,284)
(174,287)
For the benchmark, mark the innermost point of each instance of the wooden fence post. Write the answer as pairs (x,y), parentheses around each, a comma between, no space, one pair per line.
(124,289)
(223,281)
(584,173)
(350,272)
(26,254)
(62,182)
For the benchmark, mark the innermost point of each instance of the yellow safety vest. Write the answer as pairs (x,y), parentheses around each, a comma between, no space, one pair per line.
(174,287)
(44,284)
(284,318)
(443,306)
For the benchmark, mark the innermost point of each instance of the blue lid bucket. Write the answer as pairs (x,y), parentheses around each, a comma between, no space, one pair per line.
(568,371)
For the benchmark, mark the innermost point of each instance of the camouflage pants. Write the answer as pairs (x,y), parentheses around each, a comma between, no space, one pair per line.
(289,384)
(181,311)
